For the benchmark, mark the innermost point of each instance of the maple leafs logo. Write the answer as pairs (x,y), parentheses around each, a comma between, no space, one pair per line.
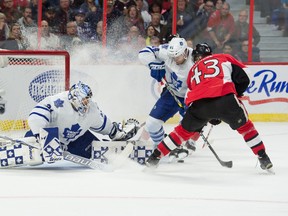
(71,133)
(58,103)
(177,83)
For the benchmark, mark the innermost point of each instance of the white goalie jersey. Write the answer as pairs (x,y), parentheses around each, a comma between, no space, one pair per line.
(176,75)
(57,111)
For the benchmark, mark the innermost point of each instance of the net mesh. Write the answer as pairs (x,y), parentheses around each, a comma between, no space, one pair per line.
(25,81)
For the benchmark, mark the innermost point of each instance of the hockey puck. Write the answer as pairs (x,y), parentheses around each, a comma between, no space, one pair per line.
(180,161)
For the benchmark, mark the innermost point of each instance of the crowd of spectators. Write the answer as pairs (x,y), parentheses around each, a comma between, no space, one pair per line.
(131,25)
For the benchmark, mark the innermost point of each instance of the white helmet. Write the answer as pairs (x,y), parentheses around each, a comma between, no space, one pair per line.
(77,93)
(177,47)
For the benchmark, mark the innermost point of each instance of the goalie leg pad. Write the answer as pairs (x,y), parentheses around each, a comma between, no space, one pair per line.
(50,144)
(17,154)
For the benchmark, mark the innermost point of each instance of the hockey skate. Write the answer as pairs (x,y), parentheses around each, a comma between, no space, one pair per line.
(265,162)
(190,145)
(154,159)
(178,154)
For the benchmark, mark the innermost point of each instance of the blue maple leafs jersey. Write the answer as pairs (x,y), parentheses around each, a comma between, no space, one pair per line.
(176,75)
(57,111)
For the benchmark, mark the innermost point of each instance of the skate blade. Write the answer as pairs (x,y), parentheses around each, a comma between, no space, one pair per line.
(270,171)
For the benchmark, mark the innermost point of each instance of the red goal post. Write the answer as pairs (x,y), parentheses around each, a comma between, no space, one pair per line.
(29,77)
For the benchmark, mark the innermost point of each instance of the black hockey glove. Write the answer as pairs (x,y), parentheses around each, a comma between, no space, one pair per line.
(215,121)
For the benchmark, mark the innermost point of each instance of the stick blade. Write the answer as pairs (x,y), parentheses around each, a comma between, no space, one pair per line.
(228,164)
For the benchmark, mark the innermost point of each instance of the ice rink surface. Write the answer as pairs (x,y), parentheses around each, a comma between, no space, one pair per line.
(198,187)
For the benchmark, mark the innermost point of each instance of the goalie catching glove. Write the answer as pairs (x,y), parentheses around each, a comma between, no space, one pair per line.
(124,132)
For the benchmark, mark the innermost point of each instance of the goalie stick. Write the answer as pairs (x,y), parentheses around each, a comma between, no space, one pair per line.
(78,159)
(11,141)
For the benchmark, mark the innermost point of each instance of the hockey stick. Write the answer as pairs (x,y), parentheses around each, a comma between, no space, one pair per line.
(228,164)
(13,141)
(87,162)
(169,88)
(207,136)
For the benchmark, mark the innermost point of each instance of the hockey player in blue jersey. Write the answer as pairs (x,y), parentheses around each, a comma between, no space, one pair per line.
(64,122)
(168,63)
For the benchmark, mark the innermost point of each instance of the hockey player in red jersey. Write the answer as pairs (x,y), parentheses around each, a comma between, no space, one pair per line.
(215,83)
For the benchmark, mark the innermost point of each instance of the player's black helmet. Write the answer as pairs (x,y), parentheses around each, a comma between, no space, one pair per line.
(171,36)
(201,50)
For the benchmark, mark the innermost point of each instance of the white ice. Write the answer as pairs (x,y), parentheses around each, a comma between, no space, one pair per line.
(198,187)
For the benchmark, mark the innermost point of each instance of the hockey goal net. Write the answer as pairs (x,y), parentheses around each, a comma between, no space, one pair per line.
(29,77)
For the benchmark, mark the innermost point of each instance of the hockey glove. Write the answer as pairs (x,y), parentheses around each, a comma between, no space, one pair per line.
(157,70)
(123,133)
(215,121)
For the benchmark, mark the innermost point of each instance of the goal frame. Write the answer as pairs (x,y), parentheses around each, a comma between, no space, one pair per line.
(29,58)
(45,53)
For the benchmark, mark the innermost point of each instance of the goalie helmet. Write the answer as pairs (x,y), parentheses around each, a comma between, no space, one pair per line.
(79,96)
(201,51)
(177,46)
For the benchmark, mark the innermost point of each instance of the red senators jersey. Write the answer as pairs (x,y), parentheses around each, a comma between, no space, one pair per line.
(211,77)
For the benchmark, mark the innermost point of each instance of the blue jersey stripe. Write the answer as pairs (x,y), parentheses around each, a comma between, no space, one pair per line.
(39,114)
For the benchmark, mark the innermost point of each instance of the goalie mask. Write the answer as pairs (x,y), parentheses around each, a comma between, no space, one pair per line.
(177,50)
(79,96)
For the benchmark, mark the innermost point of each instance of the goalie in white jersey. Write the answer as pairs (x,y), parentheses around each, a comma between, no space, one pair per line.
(63,122)
(170,64)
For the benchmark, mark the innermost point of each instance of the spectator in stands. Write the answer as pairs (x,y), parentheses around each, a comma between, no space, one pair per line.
(220,27)
(16,4)
(95,14)
(63,14)
(156,7)
(161,29)
(34,7)
(285,6)
(115,24)
(76,4)
(123,5)
(97,36)
(134,18)
(155,41)
(228,49)
(243,53)
(218,4)
(4,29)
(201,20)
(49,16)
(242,30)
(16,41)
(88,6)
(194,6)
(267,7)
(130,44)
(48,40)
(150,32)
(144,12)
(12,14)
(27,24)
(70,41)
(83,28)
(185,25)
